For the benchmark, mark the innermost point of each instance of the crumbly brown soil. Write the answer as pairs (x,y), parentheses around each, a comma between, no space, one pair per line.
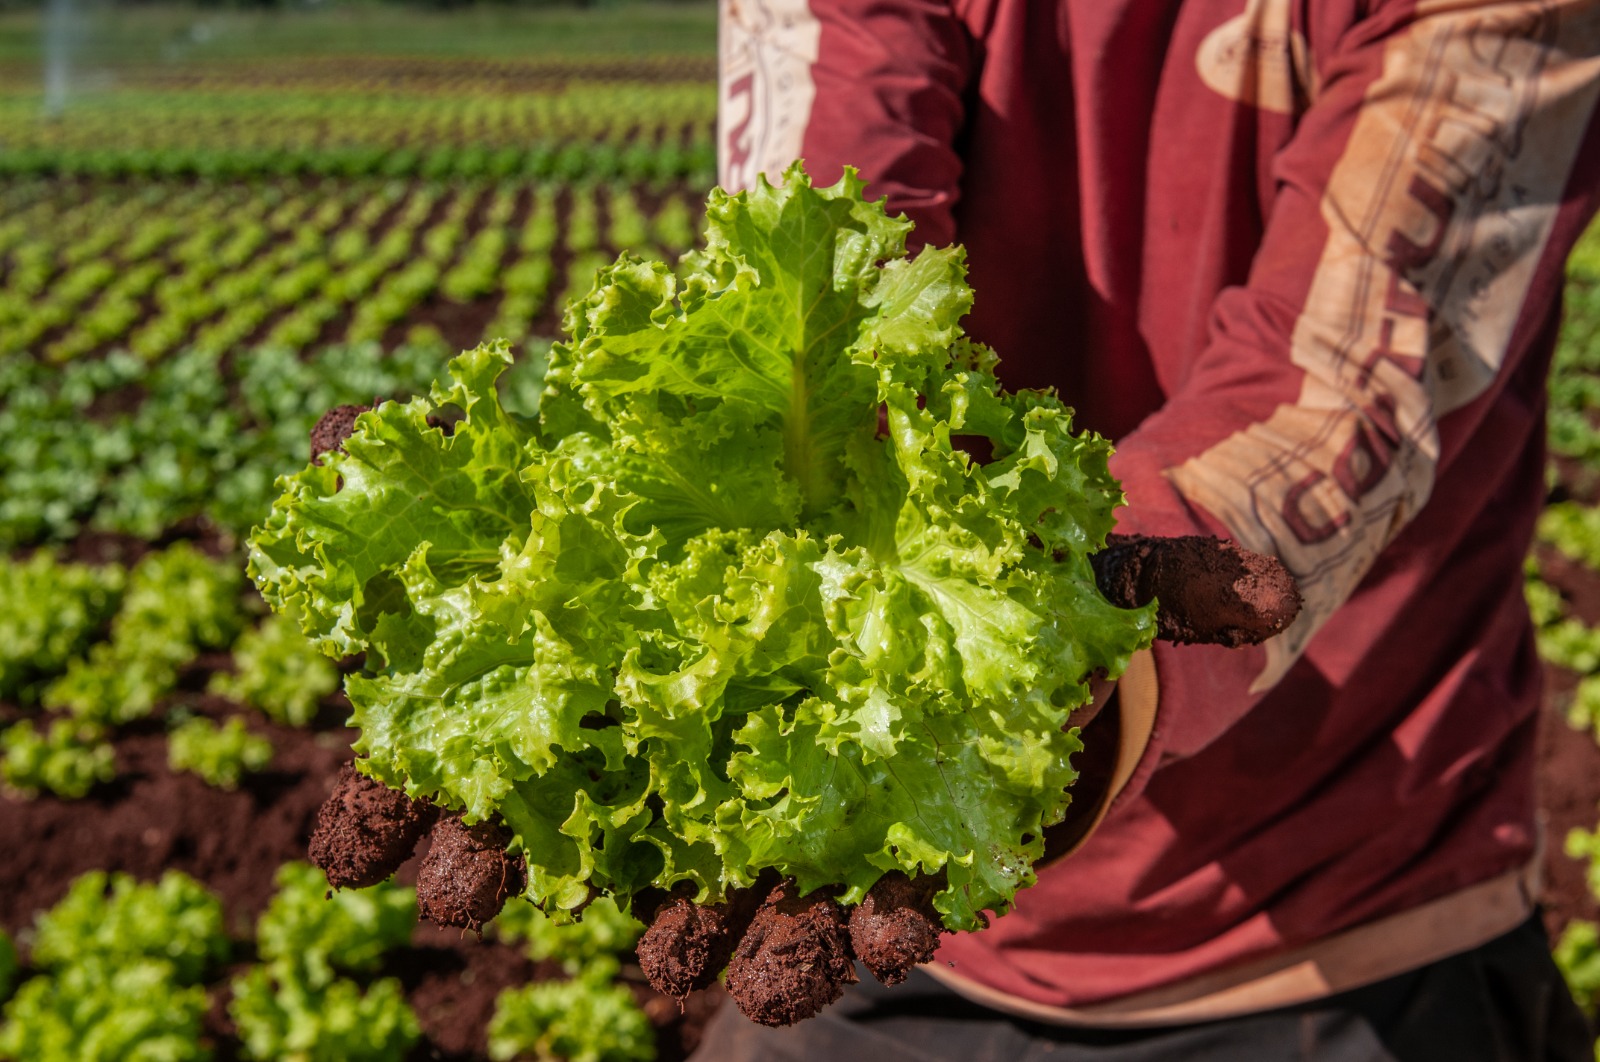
(1569,792)
(468,875)
(1208,591)
(332,429)
(794,959)
(896,928)
(150,819)
(451,983)
(365,830)
(688,945)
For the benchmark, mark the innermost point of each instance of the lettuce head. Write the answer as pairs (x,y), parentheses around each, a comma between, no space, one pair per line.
(739,596)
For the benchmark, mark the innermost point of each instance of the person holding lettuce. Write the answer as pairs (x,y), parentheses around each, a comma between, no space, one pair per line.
(1303,263)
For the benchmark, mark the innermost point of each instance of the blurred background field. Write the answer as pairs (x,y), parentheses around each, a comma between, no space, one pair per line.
(215,224)
(103,33)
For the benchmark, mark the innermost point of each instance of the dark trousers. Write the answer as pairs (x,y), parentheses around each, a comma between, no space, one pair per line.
(1504,1001)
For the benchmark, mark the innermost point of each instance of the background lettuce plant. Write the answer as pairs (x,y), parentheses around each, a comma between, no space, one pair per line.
(296,1006)
(121,965)
(221,754)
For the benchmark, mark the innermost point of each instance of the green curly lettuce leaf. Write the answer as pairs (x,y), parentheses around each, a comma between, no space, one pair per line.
(177,602)
(283,1019)
(279,672)
(738,598)
(67,758)
(50,611)
(135,1012)
(295,1006)
(604,933)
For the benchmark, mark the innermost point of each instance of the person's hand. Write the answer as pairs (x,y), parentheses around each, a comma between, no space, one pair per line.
(786,955)
(365,830)
(1209,591)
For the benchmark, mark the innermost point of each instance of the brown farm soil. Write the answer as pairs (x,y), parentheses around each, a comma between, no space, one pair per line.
(1569,792)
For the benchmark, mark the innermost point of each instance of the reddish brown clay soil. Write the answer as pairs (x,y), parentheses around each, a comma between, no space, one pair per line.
(1209,591)
(451,983)
(896,928)
(1569,798)
(150,819)
(794,959)
(365,830)
(112,547)
(462,325)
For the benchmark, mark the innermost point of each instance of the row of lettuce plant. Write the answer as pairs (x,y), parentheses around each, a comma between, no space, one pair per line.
(220,266)
(115,445)
(326,112)
(117,971)
(85,649)
(695,163)
(119,968)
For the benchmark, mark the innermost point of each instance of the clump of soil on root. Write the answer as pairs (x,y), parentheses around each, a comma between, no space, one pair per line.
(896,927)
(468,875)
(794,959)
(365,830)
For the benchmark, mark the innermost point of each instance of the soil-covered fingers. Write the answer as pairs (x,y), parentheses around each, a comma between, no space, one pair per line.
(896,928)
(794,959)
(365,830)
(336,425)
(468,875)
(1209,591)
(787,955)
(686,944)
(332,429)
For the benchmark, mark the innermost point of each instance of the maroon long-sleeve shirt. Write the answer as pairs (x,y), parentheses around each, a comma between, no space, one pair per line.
(1302,260)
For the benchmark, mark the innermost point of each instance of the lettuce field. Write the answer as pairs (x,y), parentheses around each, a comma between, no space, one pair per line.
(227,224)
